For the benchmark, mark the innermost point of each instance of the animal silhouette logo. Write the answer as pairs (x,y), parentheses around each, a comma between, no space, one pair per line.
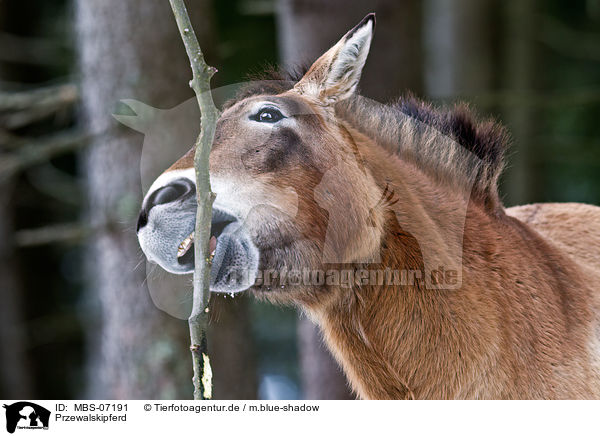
(26,415)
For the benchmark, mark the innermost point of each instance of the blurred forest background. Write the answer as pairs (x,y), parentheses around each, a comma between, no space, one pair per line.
(76,319)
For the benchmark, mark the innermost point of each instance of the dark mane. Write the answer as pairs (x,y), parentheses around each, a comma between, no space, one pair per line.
(485,139)
(449,143)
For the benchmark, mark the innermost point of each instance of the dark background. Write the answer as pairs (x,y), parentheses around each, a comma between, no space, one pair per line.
(75,317)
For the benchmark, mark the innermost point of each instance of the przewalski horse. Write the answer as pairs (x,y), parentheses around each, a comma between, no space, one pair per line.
(311,177)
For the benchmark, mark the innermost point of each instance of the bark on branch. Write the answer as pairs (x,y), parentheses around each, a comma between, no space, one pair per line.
(200,83)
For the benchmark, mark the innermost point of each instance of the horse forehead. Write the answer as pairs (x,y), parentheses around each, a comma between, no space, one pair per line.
(289,101)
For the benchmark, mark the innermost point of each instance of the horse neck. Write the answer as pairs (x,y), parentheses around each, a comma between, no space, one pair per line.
(392,339)
(463,340)
(412,341)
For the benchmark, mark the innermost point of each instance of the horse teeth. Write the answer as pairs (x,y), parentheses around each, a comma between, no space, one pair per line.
(185,245)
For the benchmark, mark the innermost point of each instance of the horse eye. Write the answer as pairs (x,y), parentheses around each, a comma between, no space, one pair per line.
(268,115)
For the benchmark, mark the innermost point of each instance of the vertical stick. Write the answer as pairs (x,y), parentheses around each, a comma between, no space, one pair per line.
(200,83)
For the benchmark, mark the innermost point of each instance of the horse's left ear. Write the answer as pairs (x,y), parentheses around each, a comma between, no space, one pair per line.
(335,75)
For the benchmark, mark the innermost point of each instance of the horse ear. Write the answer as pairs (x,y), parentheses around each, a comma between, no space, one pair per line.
(335,75)
(143,115)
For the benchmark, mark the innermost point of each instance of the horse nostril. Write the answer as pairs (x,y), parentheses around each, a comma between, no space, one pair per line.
(170,193)
(142,220)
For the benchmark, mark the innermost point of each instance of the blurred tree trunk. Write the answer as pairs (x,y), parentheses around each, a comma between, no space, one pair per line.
(15,371)
(519,71)
(307,28)
(321,376)
(465,57)
(15,381)
(231,349)
(460,52)
(132,49)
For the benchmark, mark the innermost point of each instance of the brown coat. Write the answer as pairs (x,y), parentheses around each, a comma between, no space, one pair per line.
(323,180)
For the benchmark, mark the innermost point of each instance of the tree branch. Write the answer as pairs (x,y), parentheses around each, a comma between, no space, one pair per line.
(200,83)
(19,109)
(39,151)
(55,96)
(61,233)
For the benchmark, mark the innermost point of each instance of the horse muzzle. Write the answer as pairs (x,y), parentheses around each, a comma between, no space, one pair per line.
(166,234)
